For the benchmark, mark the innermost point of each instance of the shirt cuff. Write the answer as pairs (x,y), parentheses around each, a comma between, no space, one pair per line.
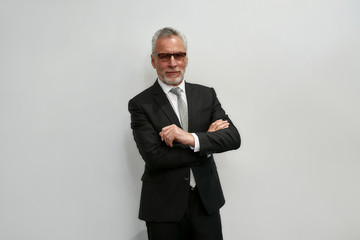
(196,147)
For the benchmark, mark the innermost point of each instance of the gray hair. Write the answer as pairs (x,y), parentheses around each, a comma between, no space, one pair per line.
(167,32)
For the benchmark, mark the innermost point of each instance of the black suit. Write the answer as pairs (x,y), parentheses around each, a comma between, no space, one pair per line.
(165,188)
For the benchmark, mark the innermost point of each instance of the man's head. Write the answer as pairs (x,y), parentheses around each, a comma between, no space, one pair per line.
(168,56)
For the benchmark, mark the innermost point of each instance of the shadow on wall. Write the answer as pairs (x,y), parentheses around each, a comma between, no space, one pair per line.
(134,162)
(141,236)
(135,168)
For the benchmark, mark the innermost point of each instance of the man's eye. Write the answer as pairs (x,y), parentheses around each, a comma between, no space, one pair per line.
(163,56)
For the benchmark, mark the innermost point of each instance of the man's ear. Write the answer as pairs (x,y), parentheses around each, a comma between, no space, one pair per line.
(152,60)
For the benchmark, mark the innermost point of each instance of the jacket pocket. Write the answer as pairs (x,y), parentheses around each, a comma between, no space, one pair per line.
(153,177)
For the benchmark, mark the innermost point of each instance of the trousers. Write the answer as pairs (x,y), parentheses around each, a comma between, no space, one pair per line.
(196,224)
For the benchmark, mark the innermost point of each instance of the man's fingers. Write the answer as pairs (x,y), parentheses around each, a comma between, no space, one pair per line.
(168,133)
(173,133)
(218,125)
(223,125)
(169,143)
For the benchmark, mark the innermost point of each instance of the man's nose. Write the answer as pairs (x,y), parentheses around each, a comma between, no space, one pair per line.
(172,61)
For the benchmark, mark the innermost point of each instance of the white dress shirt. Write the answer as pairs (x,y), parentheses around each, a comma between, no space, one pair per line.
(173,100)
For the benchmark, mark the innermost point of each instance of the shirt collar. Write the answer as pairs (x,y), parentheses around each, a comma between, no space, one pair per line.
(166,88)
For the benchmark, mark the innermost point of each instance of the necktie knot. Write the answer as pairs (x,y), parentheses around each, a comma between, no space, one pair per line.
(176,91)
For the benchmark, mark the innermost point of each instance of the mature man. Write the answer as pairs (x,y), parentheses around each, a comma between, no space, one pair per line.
(177,127)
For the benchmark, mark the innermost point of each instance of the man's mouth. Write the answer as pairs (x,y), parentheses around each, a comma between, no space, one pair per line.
(172,74)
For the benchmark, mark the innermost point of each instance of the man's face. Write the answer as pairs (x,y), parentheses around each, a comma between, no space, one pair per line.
(170,71)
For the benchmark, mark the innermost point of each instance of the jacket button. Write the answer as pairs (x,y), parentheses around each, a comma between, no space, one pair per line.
(186,178)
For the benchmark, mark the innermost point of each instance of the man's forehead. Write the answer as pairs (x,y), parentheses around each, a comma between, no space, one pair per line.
(172,41)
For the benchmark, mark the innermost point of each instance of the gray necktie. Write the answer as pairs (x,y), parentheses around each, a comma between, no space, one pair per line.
(182,108)
(184,121)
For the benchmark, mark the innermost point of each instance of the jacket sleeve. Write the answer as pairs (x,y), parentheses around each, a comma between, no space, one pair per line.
(221,140)
(156,154)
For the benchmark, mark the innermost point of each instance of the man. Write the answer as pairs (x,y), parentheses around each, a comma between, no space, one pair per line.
(177,127)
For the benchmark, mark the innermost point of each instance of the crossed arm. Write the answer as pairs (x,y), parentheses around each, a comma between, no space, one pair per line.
(172,133)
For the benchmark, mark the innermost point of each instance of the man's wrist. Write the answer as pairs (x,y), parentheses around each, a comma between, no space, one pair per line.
(196,146)
(190,141)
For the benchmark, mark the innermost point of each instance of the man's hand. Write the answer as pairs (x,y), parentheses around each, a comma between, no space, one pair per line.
(172,133)
(218,125)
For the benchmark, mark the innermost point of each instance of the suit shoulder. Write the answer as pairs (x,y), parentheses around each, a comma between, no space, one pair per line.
(145,94)
(199,86)
(201,89)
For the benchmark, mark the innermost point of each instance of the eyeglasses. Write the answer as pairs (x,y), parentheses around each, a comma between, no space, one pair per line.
(165,57)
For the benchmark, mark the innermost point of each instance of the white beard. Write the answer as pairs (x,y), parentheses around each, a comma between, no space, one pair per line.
(176,82)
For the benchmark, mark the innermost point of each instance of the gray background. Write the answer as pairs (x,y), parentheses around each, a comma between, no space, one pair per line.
(287,72)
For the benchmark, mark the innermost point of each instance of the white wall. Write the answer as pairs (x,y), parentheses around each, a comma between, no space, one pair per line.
(287,72)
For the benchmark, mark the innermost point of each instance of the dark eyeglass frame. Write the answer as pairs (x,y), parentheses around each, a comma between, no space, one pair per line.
(165,57)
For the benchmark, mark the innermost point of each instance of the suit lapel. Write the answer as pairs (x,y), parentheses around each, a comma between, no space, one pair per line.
(191,96)
(164,104)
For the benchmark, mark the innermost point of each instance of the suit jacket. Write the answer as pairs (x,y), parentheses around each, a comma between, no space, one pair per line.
(165,187)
